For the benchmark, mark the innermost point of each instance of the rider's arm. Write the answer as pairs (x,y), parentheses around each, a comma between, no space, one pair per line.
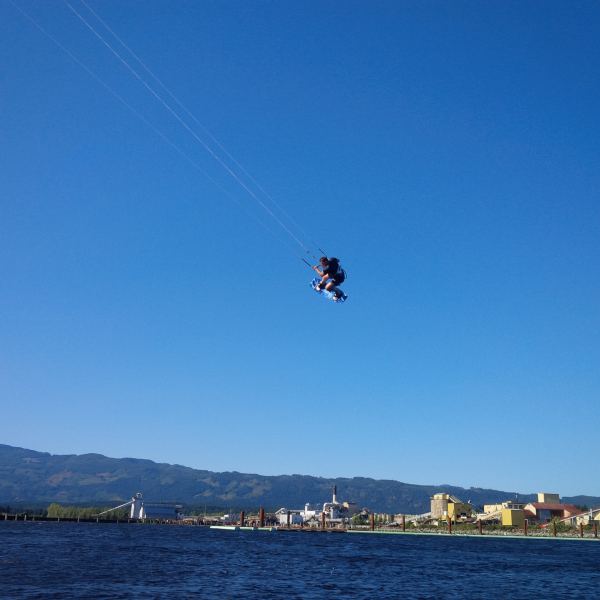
(317,270)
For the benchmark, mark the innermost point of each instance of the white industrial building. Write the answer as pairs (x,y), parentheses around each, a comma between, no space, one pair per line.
(312,514)
(296,517)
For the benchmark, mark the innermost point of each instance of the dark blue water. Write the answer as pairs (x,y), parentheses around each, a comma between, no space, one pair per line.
(70,560)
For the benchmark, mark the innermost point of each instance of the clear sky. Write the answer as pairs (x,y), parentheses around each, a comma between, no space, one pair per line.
(447,152)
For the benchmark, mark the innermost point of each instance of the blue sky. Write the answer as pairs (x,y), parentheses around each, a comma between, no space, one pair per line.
(447,152)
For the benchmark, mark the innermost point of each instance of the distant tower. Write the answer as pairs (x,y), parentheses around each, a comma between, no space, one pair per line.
(137,507)
(334,500)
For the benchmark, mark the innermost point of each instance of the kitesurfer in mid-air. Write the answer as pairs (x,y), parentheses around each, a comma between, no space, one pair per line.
(332,276)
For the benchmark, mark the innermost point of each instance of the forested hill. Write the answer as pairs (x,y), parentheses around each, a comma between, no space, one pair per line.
(28,477)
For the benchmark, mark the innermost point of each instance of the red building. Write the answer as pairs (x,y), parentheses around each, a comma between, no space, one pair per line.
(542,512)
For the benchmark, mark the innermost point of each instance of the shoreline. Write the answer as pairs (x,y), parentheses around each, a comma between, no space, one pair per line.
(535,535)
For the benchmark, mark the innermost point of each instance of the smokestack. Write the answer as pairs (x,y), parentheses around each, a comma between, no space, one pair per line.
(334,500)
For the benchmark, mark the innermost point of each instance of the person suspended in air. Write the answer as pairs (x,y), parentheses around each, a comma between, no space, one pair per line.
(332,276)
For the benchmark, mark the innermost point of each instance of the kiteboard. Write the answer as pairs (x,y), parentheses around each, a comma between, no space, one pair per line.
(326,293)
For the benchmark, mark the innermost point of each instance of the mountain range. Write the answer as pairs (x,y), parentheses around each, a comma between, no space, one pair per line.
(30,478)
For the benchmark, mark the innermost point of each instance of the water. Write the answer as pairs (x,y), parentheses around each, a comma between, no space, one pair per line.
(88,560)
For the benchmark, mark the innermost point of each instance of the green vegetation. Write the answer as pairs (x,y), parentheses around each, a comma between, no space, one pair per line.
(57,511)
(360,519)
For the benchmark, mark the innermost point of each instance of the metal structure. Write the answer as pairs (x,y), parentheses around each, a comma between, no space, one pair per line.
(137,507)
(147,510)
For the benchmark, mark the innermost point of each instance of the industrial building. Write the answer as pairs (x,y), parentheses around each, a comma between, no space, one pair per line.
(513,517)
(509,513)
(447,506)
(549,507)
(334,513)
(289,517)
(513,514)
(587,517)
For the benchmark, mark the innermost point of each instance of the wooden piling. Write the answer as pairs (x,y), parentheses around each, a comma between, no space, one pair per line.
(242,519)
(322,520)
(525,525)
(581,529)
(554,528)
(595,529)
(403,522)
(372,521)
(480,525)
(449,524)
(289,518)
(261,516)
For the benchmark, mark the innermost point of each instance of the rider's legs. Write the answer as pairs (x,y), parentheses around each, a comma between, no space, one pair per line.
(331,286)
(323,285)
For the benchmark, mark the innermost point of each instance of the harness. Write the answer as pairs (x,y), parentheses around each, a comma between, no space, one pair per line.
(339,274)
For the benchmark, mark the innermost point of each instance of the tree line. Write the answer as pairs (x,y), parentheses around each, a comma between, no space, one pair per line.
(58,511)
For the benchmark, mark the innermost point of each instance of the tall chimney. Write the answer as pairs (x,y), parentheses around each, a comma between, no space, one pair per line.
(334,500)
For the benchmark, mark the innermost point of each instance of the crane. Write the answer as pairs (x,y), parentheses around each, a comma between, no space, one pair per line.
(137,507)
